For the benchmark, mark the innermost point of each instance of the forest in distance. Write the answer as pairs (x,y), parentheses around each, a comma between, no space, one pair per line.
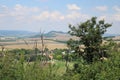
(84,53)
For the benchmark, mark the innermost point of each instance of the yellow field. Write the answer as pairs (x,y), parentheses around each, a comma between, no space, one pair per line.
(31,46)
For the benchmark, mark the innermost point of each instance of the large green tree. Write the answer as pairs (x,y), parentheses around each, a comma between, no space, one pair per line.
(90,34)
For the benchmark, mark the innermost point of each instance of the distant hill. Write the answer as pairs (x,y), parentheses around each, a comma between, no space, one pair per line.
(109,35)
(51,35)
(58,35)
(16,33)
(55,35)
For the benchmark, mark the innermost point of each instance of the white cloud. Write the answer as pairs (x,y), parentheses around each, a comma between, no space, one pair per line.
(56,15)
(4,7)
(76,15)
(73,7)
(18,11)
(45,15)
(23,10)
(42,16)
(24,13)
(113,18)
(3,10)
(62,17)
(2,15)
(101,8)
(116,17)
(102,17)
(116,8)
(27,14)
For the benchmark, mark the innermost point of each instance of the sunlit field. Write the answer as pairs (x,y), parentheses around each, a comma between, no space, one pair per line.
(31,46)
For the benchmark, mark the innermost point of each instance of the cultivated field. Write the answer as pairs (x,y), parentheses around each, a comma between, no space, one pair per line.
(31,43)
(31,46)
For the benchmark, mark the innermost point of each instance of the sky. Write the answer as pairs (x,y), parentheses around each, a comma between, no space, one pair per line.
(48,15)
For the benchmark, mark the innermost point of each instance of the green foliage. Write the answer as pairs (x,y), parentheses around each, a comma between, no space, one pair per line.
(59,57)
(103,55)
(58,54)
(101,70)
(90,35)
(13,69)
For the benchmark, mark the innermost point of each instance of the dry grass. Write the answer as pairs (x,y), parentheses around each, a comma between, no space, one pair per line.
(18,44)
(31,46)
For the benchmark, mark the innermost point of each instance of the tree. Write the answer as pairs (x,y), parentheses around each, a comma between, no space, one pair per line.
(90,34)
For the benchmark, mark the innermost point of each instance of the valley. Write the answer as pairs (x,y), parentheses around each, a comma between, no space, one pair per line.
(52,39)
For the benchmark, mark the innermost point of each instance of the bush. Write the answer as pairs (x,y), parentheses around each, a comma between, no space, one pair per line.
(101,70)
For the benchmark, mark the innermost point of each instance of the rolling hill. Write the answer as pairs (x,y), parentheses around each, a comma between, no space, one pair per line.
(56,35)
(16,33)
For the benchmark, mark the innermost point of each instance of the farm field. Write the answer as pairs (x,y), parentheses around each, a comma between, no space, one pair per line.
(30,44)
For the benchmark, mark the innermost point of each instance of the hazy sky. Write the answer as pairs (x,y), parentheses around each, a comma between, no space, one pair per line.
(33,15)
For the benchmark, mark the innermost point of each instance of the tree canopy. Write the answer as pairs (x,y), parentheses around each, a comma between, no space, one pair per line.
(90,34)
